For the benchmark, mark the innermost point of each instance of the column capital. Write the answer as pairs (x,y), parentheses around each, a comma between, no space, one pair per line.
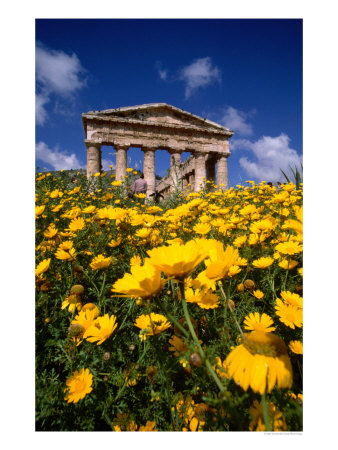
(92,144)
(225,155)
(118,146)
(145,148)
(174,150)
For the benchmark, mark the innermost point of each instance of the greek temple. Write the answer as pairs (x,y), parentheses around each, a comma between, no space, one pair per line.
(159,126)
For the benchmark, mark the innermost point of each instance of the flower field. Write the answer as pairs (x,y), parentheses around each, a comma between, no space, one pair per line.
(181,316)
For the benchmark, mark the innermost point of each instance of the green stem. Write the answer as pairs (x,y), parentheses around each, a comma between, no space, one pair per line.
(231,310)
(172,318)
(197,344)
(265,413)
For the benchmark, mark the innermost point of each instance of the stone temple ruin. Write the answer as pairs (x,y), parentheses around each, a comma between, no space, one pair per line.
(159,126)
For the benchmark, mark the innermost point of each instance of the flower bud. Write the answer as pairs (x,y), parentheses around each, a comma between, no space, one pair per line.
(75,330)
(249,284)
(106,356)
(77,289)
(132,347)
(195,360)
(231,303)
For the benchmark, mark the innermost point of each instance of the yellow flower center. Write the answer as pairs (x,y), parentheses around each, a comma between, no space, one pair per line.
(79,386)
(262,343)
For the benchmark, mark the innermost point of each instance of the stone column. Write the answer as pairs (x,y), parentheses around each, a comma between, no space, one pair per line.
(184,183)
(121,161)
(149,169)
(199,170)
(222,171)
(93,158)
(175,170)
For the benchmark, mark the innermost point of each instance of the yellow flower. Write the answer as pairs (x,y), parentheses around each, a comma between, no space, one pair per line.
(177,260)
(115,242)
(149,426)
(296,347)
(66,256)
(140,195)
(289,248)
(101,329)
(258,294)
(77,224)
(72,301)
(143,281)
(151,324)
(255,322)
(263,263)
(78,385)
(135,261)
(43,266)
(288,264)
(240,241)
(89,209)
(300,271)
(39,210)
(220,368)
(257,419)
(116,183)
(290,315)
(100,262)
(51,231)
(220,261)
(208,300)
(292,299)
(260,362)
(202,228)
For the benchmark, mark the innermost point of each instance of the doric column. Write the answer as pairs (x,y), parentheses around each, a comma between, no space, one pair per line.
(222,171)
(199,170)
(93,158)
(121,161)
(149,169)
(175,170)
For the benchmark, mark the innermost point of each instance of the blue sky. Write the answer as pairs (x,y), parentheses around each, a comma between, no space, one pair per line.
(245,74)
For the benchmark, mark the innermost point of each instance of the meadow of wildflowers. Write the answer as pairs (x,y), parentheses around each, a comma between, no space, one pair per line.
(181,316)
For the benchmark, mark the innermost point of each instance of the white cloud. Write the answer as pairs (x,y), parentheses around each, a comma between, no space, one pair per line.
(198,74)
(56,73)
(163,73)
(57,159)
(40,110)
(271,154)
(236,120)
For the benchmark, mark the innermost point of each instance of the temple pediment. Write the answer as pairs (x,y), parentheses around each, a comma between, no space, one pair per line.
(157,113)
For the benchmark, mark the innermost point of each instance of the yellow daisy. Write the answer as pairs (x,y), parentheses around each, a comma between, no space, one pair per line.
(101,329)
(177,260)
(100,262)
(143,281)
(263,263)
(255,322)
(296,347)
(290,315)
(78,385)
(42,267)
(151,324)
(260,362)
